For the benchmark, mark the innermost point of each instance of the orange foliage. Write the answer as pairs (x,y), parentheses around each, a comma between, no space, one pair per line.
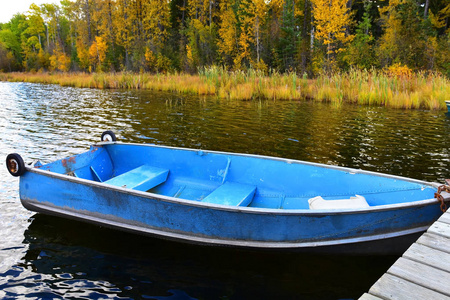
(97,53)
(398,70)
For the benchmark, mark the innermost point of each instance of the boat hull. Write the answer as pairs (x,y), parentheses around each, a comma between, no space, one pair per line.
(384,244)
(378,230)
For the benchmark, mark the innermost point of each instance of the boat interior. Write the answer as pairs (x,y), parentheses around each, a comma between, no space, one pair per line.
(236,179)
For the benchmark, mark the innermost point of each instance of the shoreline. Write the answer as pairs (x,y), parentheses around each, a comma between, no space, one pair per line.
(417,91)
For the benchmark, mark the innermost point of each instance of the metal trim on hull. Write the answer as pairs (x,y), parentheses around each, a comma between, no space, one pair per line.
(118,223)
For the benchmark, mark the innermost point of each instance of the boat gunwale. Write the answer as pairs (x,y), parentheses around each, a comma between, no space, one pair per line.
(255,210)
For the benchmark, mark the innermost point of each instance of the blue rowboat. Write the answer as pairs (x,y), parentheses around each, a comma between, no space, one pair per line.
(447,102)
(228,199)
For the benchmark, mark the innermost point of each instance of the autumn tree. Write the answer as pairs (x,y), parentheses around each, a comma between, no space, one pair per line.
(82,55)
(228,32)
(201,33)
(252,16)
(157,27)
(102,18)
(409,38)
(332,19)
(122,25)
(59,61)
(97,54)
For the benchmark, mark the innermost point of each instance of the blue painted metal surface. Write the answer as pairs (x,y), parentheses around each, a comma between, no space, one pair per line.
(228,199)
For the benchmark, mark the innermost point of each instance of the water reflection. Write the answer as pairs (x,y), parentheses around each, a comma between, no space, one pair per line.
(110,263)
(52,257)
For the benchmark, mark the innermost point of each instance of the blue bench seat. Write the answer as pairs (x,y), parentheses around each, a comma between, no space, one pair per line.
(141,178)
(230,193)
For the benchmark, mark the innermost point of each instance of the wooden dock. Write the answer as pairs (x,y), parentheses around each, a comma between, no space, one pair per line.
(423,272)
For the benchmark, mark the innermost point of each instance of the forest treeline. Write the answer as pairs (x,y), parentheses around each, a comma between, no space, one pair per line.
(303,36)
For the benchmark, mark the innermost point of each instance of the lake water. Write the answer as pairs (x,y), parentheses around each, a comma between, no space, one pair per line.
(52,258)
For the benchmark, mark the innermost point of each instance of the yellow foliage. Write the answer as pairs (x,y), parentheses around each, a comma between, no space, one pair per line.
(247,38)
(97,52)
(331,18)
(59,61)
(150,58)
(276,7)
(261,66)
(438,20)
(227,30)
(392,26)
(83,55)
(53,62)
(43,58)
(63,62)
(398,70)
(189,55)
(157,21)
(163,63)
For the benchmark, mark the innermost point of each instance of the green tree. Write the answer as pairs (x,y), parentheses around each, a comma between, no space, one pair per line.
(11,44)
(289,39)
(361,52)
(6,59)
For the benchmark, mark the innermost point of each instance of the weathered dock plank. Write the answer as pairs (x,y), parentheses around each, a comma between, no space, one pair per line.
(440,228)
(393,287)
(423,272)
(429,256)
(435,241)
(369,297)
(445,218)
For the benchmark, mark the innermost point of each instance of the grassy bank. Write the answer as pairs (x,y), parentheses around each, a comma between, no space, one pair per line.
(361,87)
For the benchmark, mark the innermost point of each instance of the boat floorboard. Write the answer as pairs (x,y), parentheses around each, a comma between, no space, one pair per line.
(423,272)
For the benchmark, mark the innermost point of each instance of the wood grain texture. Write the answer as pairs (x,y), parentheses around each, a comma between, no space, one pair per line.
(445,218)
(393,287)
(429,256)
(435,241)
(421,274)
(440,228)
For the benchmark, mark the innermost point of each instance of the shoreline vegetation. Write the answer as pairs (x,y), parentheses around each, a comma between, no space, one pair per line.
(375,87)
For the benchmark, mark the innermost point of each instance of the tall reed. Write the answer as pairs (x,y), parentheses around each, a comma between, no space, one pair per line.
(367,87)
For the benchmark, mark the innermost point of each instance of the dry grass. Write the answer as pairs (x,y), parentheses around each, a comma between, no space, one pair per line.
(428,91)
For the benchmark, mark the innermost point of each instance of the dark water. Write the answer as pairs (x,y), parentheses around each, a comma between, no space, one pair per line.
(52,258)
